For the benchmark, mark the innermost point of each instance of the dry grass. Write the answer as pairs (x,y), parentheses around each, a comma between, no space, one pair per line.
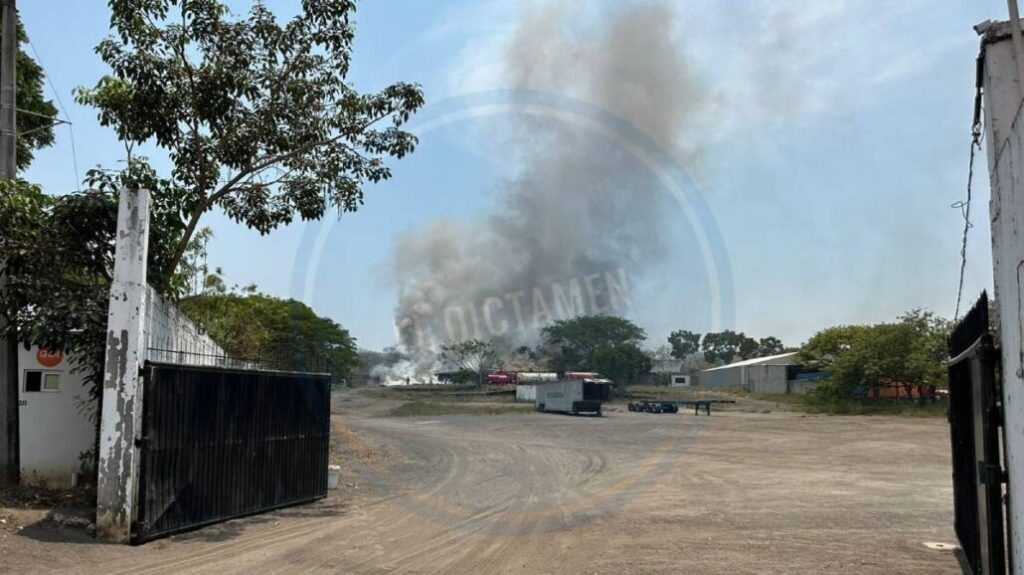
(346,445)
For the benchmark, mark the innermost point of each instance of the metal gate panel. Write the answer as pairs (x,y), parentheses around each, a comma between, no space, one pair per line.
(220,443)
(975,424)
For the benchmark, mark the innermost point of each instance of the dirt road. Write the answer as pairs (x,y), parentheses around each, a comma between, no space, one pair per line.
(626,493)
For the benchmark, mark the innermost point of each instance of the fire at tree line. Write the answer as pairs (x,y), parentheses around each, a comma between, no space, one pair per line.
(299,153)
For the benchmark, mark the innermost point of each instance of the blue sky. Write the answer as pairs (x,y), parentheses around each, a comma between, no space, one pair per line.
(832,139)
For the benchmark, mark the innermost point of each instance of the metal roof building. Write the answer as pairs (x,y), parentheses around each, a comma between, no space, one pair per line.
(769,374)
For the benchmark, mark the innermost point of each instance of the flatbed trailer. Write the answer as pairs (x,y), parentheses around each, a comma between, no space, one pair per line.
(662,406)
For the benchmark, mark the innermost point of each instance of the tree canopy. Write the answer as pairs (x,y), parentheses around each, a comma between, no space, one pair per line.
(574,342)
(257,116)
(722,347)
(59,253)
(281,333)
(684,343)
(908,352)
(621,363)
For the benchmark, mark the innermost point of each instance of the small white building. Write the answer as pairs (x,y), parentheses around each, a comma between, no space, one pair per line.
(57,416)
(56,420)
(679,380)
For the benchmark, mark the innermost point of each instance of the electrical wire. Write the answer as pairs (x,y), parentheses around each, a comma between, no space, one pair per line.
(60,103)
(965,205)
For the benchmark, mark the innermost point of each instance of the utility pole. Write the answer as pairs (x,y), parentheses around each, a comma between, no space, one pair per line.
(9,443)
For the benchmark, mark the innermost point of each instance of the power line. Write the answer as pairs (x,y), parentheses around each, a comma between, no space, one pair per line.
(965,205)
(71,126)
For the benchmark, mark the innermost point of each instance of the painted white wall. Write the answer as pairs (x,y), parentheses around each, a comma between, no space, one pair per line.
(55,427)
(1005,137)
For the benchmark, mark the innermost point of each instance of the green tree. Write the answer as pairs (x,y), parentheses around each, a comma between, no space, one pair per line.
(908,352)
(59,252)
(36,114)
(281,333)
(471,356)
(728,346)
(575,341)
(621,363)
(684,343)
(769,346)
(257,117)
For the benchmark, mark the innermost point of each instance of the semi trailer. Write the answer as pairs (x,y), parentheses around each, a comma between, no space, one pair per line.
(573,395)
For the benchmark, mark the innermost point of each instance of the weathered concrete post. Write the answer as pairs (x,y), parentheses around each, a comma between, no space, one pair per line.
(1005,137)
(122,389)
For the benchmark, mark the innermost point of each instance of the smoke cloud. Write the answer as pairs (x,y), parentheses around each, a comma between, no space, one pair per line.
(577,218)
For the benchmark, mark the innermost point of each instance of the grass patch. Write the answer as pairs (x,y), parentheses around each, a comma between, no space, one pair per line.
(834,406)
(875,407)
(428,408)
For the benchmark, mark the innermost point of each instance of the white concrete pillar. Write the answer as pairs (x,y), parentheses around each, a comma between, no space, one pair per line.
(1005,148)
(122,385)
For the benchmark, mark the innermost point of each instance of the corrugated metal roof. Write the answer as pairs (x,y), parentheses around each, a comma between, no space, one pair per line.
(768,359)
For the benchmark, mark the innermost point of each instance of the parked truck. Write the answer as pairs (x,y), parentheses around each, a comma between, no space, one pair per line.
(573,395)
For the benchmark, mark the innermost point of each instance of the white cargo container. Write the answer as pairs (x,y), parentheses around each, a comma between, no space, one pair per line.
(573,396)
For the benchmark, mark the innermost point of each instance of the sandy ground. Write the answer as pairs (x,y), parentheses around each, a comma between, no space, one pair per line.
(737,492)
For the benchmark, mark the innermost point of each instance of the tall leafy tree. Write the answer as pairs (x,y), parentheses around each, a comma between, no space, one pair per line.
(727,346)
(575,341)
(770,345)
(684,343)
(621,363)
(257,116)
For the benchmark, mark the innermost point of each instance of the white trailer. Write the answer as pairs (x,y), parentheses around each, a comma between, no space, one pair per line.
(573,395)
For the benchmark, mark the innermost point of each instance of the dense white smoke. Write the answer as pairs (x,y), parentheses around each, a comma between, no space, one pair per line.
(578,219)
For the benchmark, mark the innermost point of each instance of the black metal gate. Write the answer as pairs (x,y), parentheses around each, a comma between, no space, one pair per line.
(219,443)
(975,423)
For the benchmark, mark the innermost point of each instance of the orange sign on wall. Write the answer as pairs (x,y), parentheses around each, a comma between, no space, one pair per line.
(49,358)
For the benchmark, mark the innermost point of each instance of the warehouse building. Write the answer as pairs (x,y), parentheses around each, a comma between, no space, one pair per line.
(776,374)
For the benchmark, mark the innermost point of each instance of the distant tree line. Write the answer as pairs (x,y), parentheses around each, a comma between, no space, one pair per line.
(605,344)
(723,346)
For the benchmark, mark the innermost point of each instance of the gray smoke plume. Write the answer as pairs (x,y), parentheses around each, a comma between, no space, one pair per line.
(577,221)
